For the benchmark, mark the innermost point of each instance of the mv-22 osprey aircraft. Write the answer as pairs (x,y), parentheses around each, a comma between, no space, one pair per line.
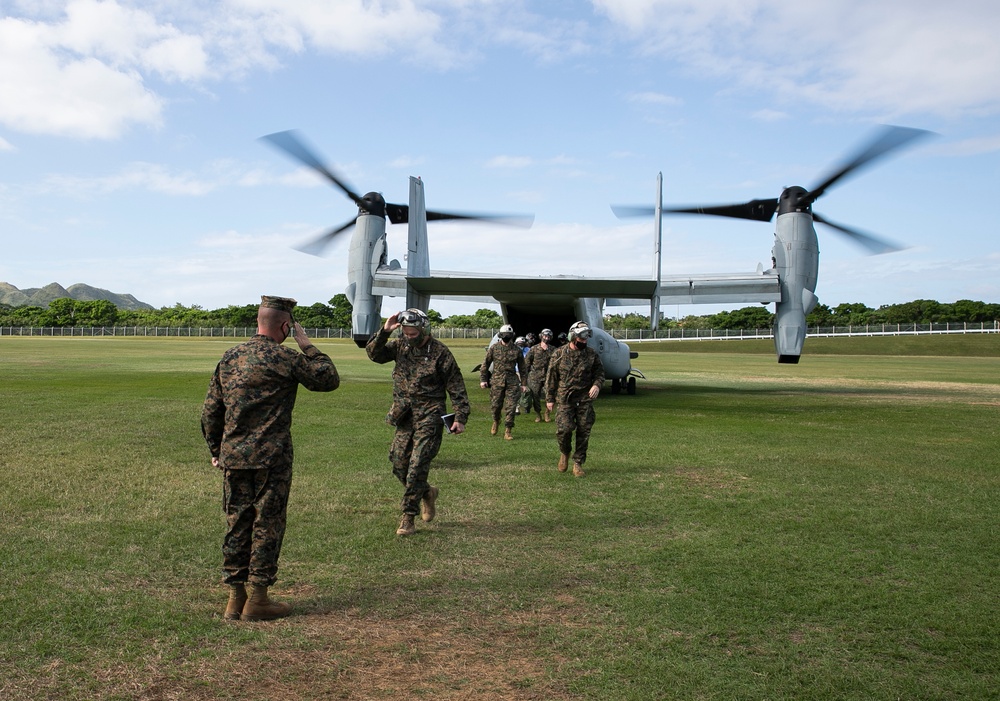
(529,303)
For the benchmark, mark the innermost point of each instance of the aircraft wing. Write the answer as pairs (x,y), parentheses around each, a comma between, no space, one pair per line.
(712,288)
(393,282)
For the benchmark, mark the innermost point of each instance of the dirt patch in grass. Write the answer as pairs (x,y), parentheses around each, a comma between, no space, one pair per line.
(344,655)
(712,478)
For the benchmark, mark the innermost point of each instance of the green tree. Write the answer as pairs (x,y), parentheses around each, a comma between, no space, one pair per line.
(482,319)
(341,311)
(746,318)
(98,312)
(851,314)
(695,322)
(632,320)
(238,316)
(61,312)
(819,316)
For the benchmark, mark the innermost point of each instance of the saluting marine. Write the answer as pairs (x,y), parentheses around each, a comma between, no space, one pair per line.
(574,380)
(425,371)
(246,421)
(503,372)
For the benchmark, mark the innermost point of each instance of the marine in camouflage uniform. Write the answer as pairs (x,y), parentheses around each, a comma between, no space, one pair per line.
(246,421)
(574,380)
(500,371)
(537,365)
(425,371)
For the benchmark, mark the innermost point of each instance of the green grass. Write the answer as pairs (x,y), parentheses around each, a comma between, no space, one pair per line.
(746,530)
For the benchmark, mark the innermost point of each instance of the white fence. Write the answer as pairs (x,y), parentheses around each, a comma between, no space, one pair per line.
(449,332)
(814,332)
(195,331)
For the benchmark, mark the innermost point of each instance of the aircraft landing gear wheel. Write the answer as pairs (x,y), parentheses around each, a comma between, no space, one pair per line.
(616,386)
(631,385)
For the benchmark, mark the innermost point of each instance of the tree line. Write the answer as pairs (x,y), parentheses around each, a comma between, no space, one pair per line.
(920,311)
(336,313)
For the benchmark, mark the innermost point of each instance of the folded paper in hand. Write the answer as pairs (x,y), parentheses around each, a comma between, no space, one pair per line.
(449,420)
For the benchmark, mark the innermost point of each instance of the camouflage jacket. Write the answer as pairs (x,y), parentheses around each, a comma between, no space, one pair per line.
(537,362)
(421,377)
(571,374)
(247,416)
(507,363)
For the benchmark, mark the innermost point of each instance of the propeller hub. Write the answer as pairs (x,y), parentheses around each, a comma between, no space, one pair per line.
(793,199)
(372,203)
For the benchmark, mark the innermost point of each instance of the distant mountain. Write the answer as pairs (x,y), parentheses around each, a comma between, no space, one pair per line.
(12,296)
(40,297)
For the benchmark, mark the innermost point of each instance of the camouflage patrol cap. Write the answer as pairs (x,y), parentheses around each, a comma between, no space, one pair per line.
(285,304)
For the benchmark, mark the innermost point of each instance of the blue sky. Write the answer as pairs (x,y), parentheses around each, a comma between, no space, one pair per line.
(130,159)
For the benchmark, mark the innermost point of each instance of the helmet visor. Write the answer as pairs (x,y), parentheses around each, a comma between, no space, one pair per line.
(410,318)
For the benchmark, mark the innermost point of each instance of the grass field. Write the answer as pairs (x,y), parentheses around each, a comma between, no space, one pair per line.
(746,530)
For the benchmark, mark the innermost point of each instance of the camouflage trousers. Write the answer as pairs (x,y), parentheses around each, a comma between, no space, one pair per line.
(536,388)
(503,401)
(413,447)
(255,503)
(579,417)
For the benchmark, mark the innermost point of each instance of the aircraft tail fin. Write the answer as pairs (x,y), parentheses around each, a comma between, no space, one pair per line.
(418,262)
(654,303)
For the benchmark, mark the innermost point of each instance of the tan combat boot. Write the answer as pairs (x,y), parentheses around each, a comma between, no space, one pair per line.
(260,608)
(563,462)
(547,419)
(406,526)
(427,510)
(493,430)
(507,435)
(538,417)
(578,470)
(237,598)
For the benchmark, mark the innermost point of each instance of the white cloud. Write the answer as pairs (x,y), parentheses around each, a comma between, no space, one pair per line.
(654,98)
(144,176)
(509,162)
(6,145)
(972,147)
(348,26)
(768,115)
(890,57)
(127,38)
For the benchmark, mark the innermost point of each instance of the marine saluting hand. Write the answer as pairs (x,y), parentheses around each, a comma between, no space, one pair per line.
(392,323)
(300,337)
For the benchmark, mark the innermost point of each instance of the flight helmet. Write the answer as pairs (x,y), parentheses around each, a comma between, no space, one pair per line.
(416,318)
(579,330)
(506,333)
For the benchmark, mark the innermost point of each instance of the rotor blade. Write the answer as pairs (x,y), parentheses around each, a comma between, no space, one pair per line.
(624,211)
(523,221)
(756,210)
(887,139)
(400,214)
(873,244)
(291,144)
(316,246)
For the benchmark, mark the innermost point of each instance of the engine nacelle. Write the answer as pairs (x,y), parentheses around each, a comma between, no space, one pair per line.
(366,253)
(796,260)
